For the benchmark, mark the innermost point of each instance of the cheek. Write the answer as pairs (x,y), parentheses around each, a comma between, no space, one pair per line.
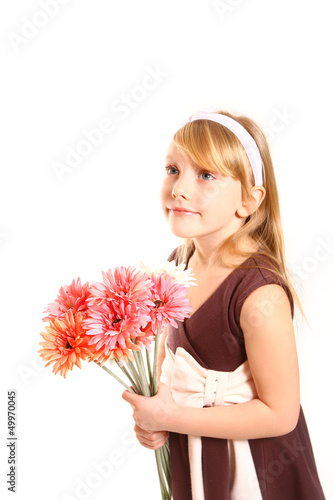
(213,193)
(165,192)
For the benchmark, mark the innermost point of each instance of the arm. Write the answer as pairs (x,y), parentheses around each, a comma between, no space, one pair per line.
(270,344)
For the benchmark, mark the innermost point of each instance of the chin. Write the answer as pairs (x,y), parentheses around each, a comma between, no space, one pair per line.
(182,229)
(182,234)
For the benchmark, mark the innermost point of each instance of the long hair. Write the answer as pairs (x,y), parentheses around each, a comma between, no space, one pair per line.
(217,149)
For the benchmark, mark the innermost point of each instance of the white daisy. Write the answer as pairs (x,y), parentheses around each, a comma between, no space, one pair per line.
(179,273)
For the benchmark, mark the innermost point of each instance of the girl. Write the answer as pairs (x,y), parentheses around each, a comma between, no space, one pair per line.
(228,397)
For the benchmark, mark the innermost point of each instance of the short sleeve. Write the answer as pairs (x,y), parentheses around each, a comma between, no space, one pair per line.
(253,279)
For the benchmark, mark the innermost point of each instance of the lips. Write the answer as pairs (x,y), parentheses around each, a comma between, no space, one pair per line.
(181,211)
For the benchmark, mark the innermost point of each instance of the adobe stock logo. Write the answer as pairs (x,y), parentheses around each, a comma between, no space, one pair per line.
(30,28)
(223,8)
(3,237)
(121,107)
(281,118)
(101,471)
(291,451)
(321,252)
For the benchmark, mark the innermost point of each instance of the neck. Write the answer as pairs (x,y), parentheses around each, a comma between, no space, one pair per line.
(202,256)
(206,251)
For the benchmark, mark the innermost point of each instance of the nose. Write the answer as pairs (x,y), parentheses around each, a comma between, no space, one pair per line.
(182,189)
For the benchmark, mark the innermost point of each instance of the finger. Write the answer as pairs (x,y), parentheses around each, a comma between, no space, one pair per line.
(130,397)
(152,438)
(148,434)
(153,443)
(154,447)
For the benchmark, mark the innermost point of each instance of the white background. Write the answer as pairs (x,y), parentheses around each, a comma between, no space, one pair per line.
(66,71)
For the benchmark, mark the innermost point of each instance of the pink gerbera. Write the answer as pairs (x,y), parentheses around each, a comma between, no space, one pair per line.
(169,297)
(65,343)
(73,297)
(145,337)
(114,325)
(125,283)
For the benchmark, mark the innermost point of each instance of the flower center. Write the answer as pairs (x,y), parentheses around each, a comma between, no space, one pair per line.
(68,343)
(159,303)
(115,321)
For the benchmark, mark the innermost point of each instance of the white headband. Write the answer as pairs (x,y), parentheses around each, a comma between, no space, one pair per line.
(243,136)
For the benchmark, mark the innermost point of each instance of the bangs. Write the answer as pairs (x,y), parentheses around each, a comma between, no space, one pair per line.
(214,148)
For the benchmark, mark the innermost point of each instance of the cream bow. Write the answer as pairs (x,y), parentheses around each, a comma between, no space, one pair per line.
(194,386)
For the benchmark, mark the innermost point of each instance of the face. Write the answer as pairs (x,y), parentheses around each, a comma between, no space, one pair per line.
(197,203)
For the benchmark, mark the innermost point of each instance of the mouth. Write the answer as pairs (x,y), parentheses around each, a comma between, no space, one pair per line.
(180,211)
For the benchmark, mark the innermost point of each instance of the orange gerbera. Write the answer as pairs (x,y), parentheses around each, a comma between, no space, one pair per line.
(123,354)
(66,343)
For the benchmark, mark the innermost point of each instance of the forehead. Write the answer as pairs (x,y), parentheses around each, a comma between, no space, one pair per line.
(175,150)
(179,155)
(176,154)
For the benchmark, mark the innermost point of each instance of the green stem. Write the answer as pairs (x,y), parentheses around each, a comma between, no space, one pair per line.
(166,464)
(142,372)
(136,376)
(115,377)
(128,375)
(155,382)
(150,373)
(164,491)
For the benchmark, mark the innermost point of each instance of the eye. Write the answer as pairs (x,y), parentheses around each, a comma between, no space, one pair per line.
(171,170)
(206,176)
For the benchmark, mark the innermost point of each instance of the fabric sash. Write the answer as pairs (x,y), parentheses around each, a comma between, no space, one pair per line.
(196,387)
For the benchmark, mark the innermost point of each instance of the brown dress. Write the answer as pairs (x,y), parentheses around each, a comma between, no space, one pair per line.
(208,351)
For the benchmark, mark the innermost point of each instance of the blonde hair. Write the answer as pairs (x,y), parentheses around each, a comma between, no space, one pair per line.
(216,148)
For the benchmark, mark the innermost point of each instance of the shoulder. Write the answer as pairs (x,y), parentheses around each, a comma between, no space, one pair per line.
(259,279)
(267,304)
(261,270)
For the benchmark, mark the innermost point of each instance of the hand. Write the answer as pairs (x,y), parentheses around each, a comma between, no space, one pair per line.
(152,414)
(151,440)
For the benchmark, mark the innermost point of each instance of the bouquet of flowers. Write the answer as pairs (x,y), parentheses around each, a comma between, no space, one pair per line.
(115,321)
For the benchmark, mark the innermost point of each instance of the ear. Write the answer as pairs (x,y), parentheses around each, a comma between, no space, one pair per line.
(247,208)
